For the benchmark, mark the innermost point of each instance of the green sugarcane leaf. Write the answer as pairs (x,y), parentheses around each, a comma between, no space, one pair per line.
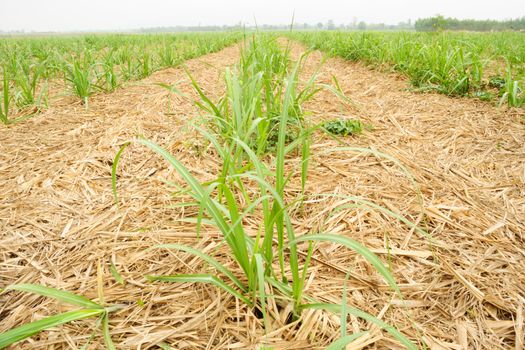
(60,295)
(116,275)
(105,333)
(357,247)
(201,278)
(341,343)
(206,258)
(336,308)
(27,330)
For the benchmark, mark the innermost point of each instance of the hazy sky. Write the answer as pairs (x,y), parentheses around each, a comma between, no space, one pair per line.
(68,15)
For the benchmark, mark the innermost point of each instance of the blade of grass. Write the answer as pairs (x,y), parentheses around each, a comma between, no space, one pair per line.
(211,261)
(262,293)
(335,308)
(105,333)
(372,258)
(201,278)
(341,343)
(27,330)
(116,275)
(60,295)
(4,112)
(114,171)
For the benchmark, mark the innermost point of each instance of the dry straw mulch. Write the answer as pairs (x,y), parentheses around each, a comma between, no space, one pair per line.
(464,287)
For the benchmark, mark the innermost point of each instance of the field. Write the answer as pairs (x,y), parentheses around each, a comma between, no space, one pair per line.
(246,191)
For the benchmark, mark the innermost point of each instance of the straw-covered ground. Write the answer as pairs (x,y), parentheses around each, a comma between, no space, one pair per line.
(463,284)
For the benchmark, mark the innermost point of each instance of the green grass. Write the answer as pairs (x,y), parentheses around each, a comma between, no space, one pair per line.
(343,127)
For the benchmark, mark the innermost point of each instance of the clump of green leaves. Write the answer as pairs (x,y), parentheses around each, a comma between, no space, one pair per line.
(483,95)
(108,77)
(343,127)
(512,93)
(497,82)
(80,77)
(27,80)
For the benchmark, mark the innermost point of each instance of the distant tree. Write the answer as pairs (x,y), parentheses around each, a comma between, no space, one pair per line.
(431,24)
(330,25)
(361,25)
(320,25)
(438,23)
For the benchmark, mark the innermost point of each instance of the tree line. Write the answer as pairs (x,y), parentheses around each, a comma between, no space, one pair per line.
(439,22)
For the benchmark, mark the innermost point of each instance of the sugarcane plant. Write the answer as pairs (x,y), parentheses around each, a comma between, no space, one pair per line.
(270,259)
(80,76)
(512,92)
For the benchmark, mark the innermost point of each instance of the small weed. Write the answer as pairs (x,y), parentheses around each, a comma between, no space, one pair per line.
(344,127)
(497,82)
(483,95)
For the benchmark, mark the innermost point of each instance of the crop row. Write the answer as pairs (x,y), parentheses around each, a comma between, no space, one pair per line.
(89,64)
(483,65)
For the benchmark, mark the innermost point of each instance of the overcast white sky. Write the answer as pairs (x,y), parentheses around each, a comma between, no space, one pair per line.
(70,15)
